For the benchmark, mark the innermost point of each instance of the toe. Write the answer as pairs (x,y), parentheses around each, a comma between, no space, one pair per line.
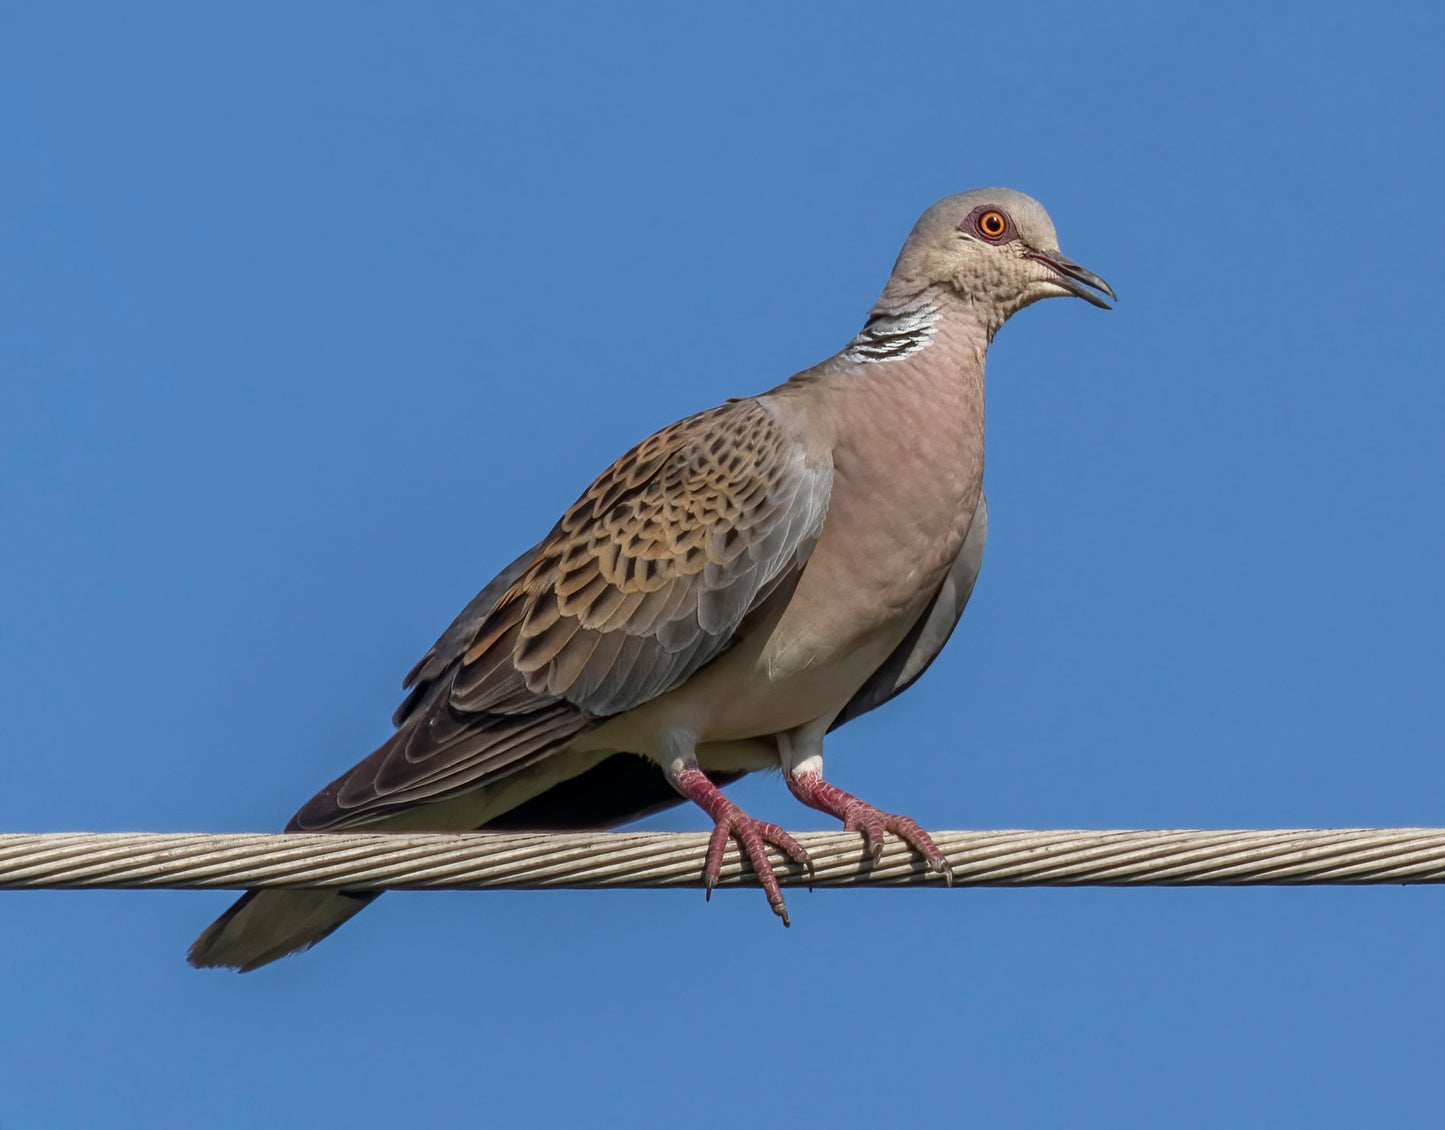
(752,833)
(717,846)
(784,842)
(868,822)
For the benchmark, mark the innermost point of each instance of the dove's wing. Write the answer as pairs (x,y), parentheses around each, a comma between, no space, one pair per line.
(438,661)
(647,577)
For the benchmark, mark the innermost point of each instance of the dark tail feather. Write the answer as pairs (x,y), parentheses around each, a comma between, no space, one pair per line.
(265,925)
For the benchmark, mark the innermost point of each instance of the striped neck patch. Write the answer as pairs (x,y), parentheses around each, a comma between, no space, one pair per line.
(889,336)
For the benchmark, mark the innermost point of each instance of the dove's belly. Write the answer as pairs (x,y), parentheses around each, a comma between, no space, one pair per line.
(739,697)
(837,628)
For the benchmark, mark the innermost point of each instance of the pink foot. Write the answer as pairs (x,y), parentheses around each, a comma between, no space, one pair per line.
(754,835)
(859,816)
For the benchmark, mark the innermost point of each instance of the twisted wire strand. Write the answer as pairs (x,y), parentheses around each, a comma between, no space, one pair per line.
(577,861)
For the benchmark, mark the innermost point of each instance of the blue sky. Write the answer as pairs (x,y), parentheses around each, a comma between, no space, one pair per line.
(312,316)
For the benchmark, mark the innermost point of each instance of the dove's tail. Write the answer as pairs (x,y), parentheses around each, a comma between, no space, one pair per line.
(265,925)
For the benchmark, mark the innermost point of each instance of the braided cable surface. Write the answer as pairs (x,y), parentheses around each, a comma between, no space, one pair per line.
(374,861)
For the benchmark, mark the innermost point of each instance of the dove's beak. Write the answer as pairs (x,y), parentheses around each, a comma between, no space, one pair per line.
(1075,279)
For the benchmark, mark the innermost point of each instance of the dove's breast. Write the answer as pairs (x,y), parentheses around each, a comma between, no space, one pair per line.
(905,439)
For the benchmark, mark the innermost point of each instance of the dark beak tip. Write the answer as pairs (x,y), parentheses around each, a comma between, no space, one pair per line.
(1088,284)
(1089,288)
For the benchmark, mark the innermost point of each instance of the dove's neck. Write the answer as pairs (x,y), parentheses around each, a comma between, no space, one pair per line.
(906,397)
(917,363)
(935,335)
(905,402)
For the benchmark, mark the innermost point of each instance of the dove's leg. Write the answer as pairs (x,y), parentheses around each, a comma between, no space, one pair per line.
(802,757)
(679,764)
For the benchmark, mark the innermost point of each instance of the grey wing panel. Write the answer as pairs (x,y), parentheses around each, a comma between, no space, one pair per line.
(927,637)
(458,636)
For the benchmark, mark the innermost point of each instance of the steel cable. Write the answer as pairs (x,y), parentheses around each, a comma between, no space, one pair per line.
(375,861)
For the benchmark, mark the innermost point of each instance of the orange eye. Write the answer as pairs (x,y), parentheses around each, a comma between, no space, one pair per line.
(993,224)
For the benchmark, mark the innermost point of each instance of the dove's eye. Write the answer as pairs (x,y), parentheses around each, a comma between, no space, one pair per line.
(992,224)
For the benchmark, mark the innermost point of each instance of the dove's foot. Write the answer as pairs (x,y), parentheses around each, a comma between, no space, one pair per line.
(754,836)
(859,816)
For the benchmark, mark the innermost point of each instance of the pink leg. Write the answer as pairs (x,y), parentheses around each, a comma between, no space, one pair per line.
(731,821)
(859,816)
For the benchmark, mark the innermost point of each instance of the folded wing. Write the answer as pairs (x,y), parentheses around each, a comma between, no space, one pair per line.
(646,578)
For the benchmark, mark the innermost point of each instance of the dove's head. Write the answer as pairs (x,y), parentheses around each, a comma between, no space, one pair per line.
(997,248)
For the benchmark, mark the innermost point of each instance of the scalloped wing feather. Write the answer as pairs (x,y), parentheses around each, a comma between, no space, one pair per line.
(646,578)
(649,574)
